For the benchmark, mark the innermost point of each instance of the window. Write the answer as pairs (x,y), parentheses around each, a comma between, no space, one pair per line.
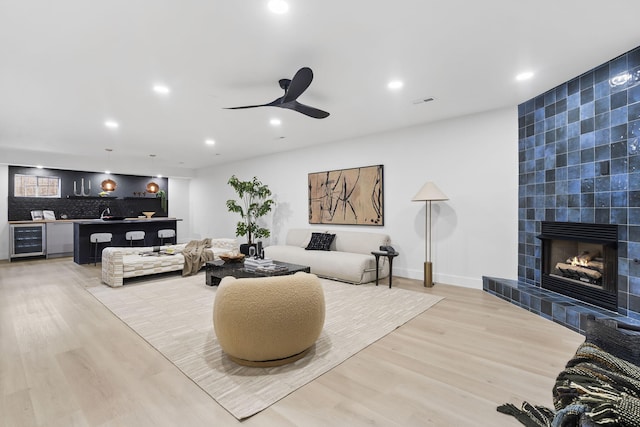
(36,186)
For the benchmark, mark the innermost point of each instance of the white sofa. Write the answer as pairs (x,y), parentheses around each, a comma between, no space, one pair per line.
(119,263)
(349,258)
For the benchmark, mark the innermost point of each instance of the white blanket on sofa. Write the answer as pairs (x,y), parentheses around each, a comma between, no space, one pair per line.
(195,256)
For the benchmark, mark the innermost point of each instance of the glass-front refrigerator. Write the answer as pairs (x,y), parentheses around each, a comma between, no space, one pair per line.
(27,240)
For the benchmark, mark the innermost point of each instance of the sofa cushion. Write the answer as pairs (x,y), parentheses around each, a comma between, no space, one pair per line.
(298,237)
(346,266)
(360,242)
(320,241)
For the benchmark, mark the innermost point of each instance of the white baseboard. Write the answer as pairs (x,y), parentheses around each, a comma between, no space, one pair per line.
(448,279)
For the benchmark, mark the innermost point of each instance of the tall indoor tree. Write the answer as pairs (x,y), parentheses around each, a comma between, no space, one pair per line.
(254,203)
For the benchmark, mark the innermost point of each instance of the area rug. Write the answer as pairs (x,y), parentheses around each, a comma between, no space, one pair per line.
(174,314)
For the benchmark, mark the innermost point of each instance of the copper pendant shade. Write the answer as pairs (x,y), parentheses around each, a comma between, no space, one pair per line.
(108,185)
(152,187)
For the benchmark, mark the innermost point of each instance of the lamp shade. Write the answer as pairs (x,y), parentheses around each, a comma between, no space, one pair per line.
(429,191)
(108,185)
(152,187)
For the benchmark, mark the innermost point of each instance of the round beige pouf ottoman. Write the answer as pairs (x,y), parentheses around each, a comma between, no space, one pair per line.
(268,321)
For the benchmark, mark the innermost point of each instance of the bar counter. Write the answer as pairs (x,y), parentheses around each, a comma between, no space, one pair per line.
(83,228)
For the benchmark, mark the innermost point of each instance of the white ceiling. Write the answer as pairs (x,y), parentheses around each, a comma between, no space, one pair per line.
(68,65)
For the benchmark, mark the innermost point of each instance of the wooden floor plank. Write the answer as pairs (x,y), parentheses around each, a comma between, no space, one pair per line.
(67,360)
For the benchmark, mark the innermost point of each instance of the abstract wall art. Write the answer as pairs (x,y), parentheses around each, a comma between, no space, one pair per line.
(347,196)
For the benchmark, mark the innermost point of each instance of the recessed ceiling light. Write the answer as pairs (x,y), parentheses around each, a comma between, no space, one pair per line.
(275,122)
(107,172)
(278,6)
(395,84)
(39,166)
(111,124)
(210,142)
(158,176)
(524,76)
(161,89)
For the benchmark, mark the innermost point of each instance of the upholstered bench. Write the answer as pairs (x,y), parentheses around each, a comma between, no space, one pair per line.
(268,321)
(123,263)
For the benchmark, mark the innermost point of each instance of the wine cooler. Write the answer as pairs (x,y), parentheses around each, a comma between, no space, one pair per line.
(27,240)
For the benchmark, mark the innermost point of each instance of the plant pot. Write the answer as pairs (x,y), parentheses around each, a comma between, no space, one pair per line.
(244,248)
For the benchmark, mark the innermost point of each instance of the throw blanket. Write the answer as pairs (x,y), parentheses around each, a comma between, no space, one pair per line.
(195,256)
(595,389)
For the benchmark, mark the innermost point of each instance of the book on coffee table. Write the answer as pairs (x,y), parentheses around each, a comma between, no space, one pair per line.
(271,268)
(257,262)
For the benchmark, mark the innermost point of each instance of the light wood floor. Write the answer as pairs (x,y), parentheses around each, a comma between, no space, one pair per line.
(65,360)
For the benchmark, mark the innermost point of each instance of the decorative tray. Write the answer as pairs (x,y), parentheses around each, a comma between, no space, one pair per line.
(232,258)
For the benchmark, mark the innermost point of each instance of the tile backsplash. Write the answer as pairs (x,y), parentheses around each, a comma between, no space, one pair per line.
(129,198)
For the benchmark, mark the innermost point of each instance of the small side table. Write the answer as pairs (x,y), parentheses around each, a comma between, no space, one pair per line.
(390,256)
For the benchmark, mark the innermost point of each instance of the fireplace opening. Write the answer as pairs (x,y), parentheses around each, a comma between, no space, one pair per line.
(580,260)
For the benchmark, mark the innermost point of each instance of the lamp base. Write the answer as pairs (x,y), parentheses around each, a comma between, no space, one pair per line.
(428,274)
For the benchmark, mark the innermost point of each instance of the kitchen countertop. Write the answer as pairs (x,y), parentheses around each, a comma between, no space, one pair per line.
(82,230)
(96,221)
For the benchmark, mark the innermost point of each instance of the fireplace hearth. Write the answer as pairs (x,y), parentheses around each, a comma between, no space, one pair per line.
(580,260)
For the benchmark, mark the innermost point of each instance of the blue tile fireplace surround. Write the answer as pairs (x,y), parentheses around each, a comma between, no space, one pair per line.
(579,163)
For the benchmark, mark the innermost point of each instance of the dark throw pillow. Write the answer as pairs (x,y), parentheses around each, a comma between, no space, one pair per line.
(320,241)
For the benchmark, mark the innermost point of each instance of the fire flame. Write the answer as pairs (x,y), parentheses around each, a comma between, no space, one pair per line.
(579,262)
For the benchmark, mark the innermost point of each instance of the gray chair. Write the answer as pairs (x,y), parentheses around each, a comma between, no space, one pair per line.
(166,234)
(96,240)
(137,236)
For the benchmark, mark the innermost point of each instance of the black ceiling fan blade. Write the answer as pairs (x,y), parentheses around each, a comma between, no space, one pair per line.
(274,103)
(244,106)
(299,83)
(305,109)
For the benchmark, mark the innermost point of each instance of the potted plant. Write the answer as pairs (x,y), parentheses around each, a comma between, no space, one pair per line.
(254,203)
(162,195)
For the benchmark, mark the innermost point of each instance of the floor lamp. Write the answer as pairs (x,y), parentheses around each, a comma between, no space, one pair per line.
(428,193)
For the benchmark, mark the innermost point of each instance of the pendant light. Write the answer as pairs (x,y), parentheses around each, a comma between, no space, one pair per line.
(108,184)
(152,187)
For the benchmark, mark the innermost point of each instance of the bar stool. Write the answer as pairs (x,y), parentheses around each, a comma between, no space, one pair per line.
(96,239)
(166,234)
(130,236)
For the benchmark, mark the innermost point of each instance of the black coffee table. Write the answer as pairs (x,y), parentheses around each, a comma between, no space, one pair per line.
(216,270)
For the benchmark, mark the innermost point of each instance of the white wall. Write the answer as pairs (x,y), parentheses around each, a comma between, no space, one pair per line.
(179,201)
(473,159)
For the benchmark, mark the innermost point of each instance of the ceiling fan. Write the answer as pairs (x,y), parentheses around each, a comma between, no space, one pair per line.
(292,90)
